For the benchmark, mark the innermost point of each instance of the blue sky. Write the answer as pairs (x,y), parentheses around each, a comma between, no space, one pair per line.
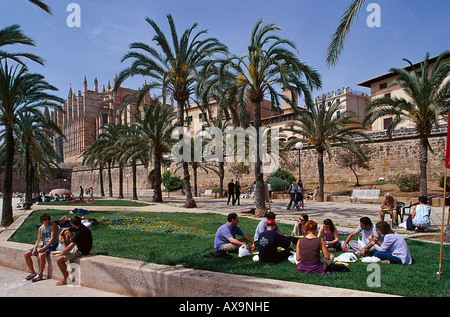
(409,29)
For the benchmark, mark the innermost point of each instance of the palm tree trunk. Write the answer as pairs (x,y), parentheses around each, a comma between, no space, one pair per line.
(102,190)
(194,168)
(28,184)
(423,160)
(261,209)
(7,211)
(120,181)
(157,193)
(110,180)
(190,202)
(134,169)
(321,175)
(221,177)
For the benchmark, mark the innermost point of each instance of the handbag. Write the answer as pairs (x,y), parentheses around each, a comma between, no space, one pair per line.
(409,224)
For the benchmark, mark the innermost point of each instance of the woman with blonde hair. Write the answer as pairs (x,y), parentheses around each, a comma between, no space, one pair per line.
(308,252)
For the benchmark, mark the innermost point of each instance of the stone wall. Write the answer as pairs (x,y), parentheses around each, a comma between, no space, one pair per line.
(390,158)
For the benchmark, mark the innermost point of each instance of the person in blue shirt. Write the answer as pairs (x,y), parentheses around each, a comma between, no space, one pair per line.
(225,239)
(292,192)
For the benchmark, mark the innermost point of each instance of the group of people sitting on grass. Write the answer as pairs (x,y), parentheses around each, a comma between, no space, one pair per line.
(274,247)
(73,240)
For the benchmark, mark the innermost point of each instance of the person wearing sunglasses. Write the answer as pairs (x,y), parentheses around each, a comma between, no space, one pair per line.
(46,242)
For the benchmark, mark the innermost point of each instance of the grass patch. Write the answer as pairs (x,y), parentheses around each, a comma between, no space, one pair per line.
(183,238)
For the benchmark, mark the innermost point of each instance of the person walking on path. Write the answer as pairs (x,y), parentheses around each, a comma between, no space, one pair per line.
(231,187)
(292,191)
(237,189)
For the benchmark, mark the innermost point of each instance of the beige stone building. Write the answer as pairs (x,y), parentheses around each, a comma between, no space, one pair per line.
(383,86)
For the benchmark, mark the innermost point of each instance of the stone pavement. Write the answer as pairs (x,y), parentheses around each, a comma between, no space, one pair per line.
(13,284)
(345,215)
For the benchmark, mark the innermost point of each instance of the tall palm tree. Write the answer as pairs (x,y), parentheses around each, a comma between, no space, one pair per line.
(174,71)
(268,64)
(320,127)
(337,41)
(20,91)
(94,156)
(428,101)
(12,35)
(35,133)
(150,138)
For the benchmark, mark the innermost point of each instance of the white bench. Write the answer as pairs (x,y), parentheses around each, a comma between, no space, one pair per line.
(208,192)
(370,194)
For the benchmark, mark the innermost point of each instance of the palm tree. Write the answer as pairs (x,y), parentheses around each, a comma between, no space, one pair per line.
(428,91)
(93,156)
(268,64)
(337,41)
(174,70)
(150,138)
(12,35)
(322,128)
(35,133)
(20,91)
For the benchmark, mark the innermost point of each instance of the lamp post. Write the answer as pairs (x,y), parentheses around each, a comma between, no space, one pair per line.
(167,185)
(299,146)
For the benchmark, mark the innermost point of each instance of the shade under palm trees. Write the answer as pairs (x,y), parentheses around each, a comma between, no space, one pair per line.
(428,101)
(269,66)
(173,70)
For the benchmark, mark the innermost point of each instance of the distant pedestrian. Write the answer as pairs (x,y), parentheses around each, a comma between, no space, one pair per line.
(237,192)
(231,193)
(292,191)
(81,197)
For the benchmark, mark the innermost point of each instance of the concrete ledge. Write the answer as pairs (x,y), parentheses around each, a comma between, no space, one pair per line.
(139,279)
(136,278)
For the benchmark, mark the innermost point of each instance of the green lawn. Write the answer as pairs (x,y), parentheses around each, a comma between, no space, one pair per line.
(184,238)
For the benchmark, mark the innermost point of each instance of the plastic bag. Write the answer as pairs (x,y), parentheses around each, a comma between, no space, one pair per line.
(346,257)
(243,251)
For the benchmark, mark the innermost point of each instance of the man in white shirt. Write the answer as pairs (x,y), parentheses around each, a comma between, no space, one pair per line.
(367,230)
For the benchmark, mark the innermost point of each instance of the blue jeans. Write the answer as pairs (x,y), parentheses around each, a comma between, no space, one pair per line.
(293,200)
(387,256)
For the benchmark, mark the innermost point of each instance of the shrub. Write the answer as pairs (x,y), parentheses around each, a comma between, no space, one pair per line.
(172,182)
(284,175)
(278,184)
(408,182)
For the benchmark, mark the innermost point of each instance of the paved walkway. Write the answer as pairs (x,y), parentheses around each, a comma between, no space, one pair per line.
(345,216)
(13,284)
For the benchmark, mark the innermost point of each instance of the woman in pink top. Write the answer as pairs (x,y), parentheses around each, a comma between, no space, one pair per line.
(308,252)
